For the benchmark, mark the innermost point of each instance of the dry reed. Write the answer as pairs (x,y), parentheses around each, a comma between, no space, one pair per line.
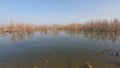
(101,29)
(96,26)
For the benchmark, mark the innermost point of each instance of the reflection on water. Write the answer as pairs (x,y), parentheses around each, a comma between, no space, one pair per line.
(18,35)
(72,49)
(103,35)
(113,36)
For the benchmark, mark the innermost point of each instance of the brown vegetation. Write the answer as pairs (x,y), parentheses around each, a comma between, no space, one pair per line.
(97,26)
(93,29)
(102,26)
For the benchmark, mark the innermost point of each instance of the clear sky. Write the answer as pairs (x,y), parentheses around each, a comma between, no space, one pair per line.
(57,11)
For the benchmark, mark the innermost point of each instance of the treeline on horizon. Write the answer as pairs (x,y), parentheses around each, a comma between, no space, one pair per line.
(96,26)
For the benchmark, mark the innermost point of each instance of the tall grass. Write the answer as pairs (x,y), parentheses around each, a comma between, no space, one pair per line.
(93,29)
(103,26)
(97,26)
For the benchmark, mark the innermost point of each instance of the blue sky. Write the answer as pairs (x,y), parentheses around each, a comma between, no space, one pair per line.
(57,11)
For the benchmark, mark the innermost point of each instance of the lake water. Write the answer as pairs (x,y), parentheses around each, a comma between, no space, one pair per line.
(64,49)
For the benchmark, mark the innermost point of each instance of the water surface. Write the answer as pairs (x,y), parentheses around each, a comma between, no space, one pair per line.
(64,49)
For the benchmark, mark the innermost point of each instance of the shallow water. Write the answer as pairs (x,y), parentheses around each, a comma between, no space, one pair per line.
(59,50)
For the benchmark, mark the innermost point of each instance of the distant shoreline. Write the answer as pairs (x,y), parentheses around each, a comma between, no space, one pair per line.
(97,26)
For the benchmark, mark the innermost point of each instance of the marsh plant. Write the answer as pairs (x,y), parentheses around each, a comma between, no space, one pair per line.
(99,25)
(100,29)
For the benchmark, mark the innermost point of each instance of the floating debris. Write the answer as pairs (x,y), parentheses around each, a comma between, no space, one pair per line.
(89,65)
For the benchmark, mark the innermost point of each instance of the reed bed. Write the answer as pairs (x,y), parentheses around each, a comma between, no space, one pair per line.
(102,26)
(96,26)
(101,29)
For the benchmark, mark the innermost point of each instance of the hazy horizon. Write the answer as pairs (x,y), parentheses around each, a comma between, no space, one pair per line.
(57,11)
